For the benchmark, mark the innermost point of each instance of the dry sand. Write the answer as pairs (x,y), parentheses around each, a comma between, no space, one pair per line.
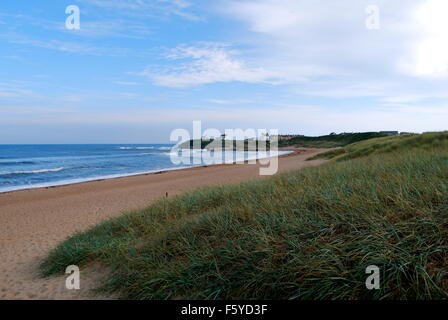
(32,222)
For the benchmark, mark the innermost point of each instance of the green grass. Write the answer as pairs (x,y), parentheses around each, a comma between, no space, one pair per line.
(307,234)
(386,145)
(202,143)
(330,141)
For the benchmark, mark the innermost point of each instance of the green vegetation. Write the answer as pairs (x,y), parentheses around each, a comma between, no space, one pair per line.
(307,234)
(235,145)
(330,141)
(191,144)
(385,145)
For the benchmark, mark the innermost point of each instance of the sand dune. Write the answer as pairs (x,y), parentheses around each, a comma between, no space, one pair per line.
(32,222)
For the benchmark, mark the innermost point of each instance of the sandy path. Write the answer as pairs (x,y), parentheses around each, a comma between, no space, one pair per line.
(34,221)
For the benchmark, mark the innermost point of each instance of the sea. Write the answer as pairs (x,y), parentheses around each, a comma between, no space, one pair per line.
(35,166)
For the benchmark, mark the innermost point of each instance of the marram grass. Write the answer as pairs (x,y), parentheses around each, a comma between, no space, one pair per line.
(306,234)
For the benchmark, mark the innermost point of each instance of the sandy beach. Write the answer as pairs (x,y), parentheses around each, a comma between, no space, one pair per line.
(34,221)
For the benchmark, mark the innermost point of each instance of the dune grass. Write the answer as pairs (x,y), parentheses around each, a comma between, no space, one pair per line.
(306,234)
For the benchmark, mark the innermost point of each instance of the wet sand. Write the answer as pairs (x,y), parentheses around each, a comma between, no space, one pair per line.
(34,221)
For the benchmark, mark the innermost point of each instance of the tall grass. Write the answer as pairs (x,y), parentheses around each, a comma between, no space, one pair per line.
(307,234)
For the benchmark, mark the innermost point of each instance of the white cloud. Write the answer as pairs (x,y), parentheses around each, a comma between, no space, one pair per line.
(209,63)
(269,16)
(149,7)
(65,46)
(323,48)
(431,57)
(330,35)
(108,28)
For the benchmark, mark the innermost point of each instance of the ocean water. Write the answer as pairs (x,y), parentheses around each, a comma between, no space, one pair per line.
(33,166)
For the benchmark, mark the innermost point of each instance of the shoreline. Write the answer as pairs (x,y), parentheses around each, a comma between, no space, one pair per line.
(124,175)
(34,221)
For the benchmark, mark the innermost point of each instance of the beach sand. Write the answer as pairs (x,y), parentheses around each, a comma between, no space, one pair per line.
(34,221)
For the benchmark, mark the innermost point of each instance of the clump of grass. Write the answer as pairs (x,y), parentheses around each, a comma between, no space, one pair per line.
(307,234)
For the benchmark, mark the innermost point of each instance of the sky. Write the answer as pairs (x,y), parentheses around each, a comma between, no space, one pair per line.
(136,70)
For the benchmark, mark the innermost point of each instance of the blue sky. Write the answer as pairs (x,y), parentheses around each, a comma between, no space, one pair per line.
(138,69)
